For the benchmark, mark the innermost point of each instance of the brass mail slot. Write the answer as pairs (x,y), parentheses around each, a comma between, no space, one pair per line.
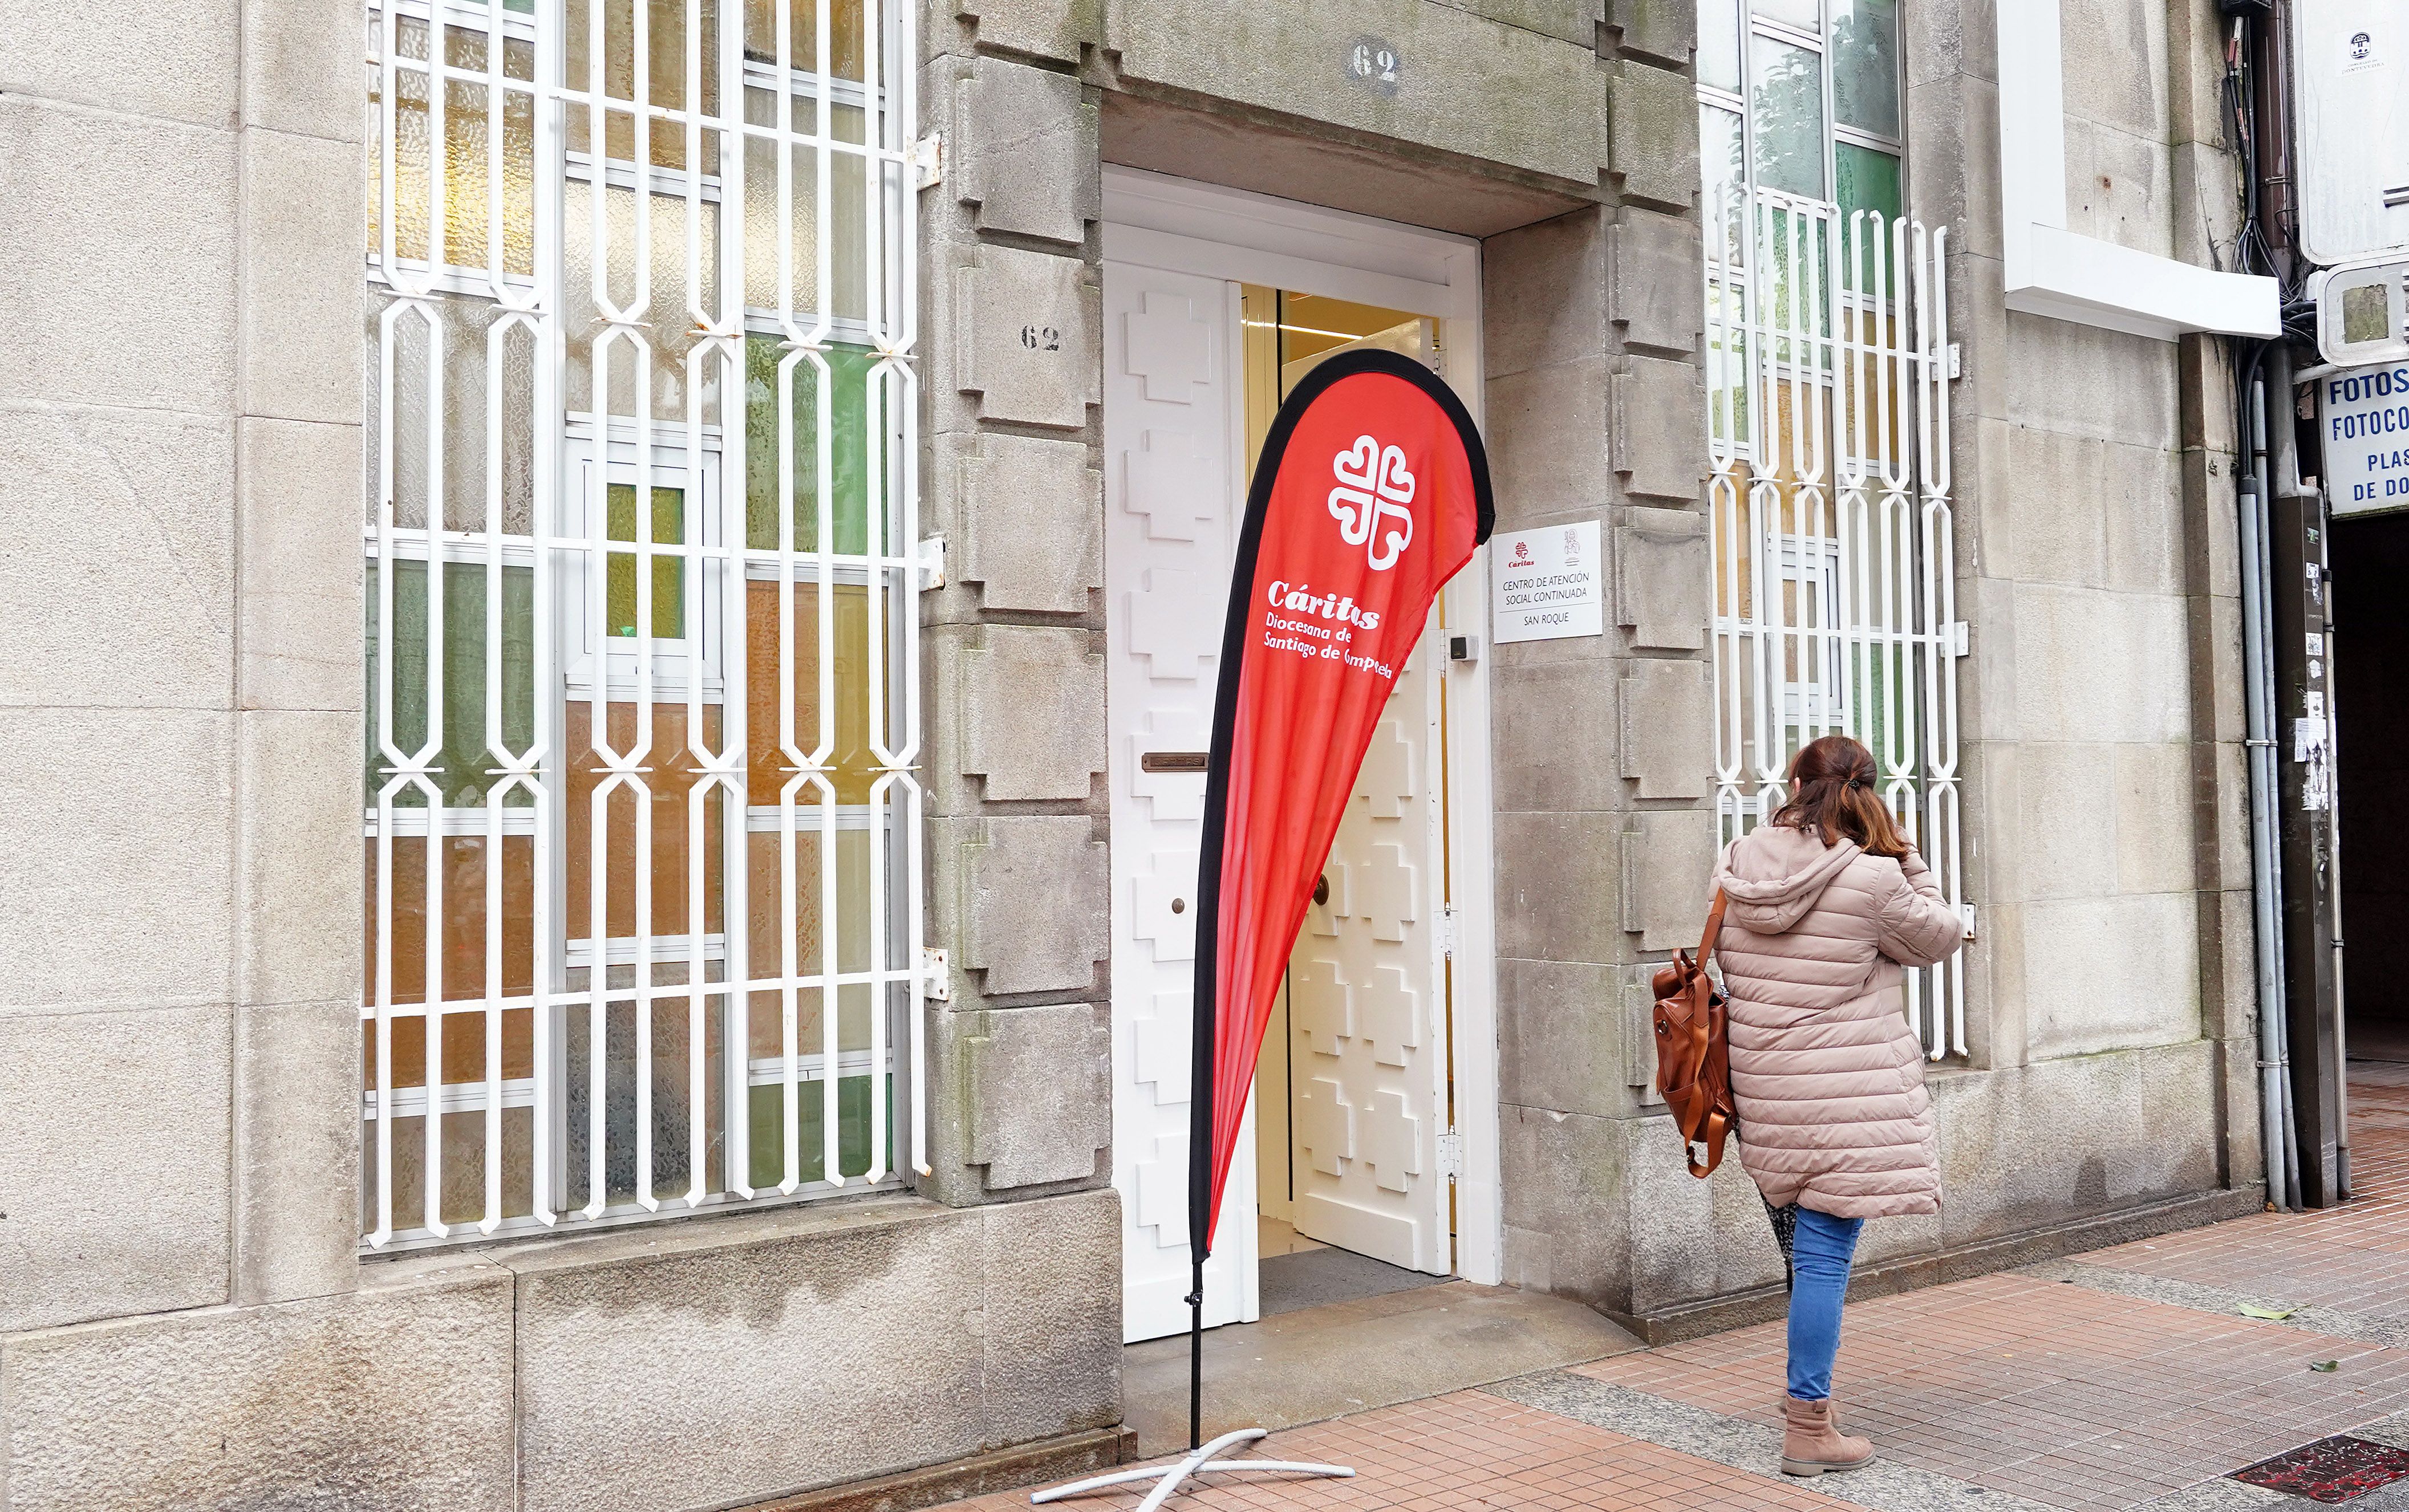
(1175,760)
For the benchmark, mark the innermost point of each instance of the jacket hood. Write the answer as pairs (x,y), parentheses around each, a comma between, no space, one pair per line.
(1773,875)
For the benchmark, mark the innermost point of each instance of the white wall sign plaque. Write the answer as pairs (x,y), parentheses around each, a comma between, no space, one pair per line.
(2352,155)
(2364,414)
(1547,584)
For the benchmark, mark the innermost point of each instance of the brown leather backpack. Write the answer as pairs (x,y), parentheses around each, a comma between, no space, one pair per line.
(1692,1052)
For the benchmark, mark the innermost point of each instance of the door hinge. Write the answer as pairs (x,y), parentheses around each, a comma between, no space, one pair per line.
(1450,932)
(928,159)
(1450,1156)
(936,977)
(1956,360)
(932,563)
(1961,638)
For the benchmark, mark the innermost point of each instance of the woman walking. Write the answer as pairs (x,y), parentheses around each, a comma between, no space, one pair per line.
(1826,904)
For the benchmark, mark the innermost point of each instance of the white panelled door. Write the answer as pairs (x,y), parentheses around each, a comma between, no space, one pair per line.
(1368,1015)
(1174,432)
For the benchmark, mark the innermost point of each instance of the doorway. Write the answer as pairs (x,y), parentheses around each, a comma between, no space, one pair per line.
(2370,555)
(1374,1093)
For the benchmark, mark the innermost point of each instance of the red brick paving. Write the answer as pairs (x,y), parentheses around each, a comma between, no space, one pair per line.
(2354,1256)
(2076,1397)
(2085,1400)
(2079,1399)
(1470,1449)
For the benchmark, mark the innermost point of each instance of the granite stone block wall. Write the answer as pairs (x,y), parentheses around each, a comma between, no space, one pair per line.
(178,985)
(1603,747)
(183,721)
(1014,684)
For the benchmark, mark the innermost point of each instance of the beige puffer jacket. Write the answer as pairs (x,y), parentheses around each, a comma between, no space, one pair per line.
(1826,1070)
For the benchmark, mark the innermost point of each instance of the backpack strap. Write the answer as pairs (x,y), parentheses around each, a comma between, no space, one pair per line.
(1712,1134)
(1716,1127)
(1714,929)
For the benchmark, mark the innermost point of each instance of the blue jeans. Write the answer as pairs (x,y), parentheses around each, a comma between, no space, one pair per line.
(1819,1253)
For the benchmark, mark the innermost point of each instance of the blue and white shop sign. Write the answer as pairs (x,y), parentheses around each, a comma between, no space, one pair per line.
(2364,415)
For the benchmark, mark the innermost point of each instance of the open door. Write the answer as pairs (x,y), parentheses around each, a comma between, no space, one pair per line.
(1367,1006)
(1352,1089)
(1172,503)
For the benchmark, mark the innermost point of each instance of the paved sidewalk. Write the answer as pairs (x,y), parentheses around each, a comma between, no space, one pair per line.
(2125,1378)
(2345,1270)
(1472,1449)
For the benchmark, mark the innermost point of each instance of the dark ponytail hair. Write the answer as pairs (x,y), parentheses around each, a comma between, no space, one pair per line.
(1832,793)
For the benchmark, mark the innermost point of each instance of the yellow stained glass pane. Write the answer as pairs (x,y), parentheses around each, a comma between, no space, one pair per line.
(846,38)
(475,174)
(668,528)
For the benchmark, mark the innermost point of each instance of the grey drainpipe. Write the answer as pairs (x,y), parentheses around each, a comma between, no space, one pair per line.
(2275,1076)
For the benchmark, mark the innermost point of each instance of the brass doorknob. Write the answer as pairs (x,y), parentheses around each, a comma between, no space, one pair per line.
(1321,891)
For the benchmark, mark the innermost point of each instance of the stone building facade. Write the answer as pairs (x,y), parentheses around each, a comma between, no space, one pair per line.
(202,1301)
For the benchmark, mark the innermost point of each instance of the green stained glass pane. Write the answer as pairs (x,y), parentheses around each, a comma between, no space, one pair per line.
(847,389)
(463,766)
(668,525)
(768,1140)
(1881,693)
(1868,182)
(1865,65)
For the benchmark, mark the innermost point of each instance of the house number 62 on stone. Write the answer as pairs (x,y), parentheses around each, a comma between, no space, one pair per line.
(1374,62)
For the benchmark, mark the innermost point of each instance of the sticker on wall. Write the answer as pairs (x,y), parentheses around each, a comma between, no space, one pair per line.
(1548,584)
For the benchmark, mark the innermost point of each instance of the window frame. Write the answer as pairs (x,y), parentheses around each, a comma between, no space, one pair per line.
(1752,26)
(577,460)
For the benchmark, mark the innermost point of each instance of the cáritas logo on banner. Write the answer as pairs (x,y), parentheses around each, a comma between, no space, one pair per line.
(1373,490)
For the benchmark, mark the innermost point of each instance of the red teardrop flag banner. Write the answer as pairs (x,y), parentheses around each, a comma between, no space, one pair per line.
(1372,491)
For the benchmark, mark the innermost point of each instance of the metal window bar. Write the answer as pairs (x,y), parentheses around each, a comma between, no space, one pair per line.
(1830,525)
(517,871)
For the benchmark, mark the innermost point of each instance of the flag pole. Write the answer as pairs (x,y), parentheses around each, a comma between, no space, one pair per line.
(1204,1010)
(1196,1356)
(1214,837)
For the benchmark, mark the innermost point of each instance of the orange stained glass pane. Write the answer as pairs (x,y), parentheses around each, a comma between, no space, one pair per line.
(463,904)
(1733,559)
(668,784)
(851,765)
(766,902)
(464,1048)
(1870,387)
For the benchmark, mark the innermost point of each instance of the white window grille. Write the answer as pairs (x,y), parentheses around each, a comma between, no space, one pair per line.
(642,831)
(1827,365)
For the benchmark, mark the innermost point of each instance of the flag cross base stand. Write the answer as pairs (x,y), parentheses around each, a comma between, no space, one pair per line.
(1199,1462)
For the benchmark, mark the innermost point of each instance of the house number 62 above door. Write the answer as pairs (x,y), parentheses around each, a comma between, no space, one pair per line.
(1374,62)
